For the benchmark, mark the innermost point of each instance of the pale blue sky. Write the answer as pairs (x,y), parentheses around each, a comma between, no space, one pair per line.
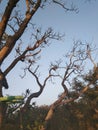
(79,26)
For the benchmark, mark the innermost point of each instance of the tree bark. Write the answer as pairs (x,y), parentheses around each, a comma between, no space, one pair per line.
(3,108)
(1,116)
(3,105)
(6,16)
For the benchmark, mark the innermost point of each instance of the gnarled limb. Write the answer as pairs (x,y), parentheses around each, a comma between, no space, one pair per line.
(10,43)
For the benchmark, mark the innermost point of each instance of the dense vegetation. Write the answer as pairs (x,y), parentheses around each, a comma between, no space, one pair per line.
(78,115)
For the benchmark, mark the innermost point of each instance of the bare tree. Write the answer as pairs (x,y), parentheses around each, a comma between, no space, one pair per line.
(74,68)
(13,25)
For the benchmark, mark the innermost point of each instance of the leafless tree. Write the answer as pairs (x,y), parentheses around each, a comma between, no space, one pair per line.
(73,67)
(77,57)
(14,23)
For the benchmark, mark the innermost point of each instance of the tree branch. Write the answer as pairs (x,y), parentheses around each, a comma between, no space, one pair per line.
(6,16)
(5,51)
(64,7)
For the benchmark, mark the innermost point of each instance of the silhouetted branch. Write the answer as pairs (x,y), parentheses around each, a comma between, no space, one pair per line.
(63,5)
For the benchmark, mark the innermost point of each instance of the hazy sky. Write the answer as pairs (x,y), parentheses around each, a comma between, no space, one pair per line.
(79,26)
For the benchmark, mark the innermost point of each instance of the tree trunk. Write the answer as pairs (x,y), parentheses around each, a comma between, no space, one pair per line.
(52,110)
(1,116)
(3,108)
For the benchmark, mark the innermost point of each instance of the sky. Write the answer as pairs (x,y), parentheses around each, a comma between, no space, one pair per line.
(76,26)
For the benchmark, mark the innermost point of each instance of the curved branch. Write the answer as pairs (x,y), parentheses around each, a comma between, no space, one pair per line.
(22,56)
(66,8)
(90,57)
(41,86)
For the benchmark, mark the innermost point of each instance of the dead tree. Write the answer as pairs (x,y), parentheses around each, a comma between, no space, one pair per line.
(13,25)
(75,67)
